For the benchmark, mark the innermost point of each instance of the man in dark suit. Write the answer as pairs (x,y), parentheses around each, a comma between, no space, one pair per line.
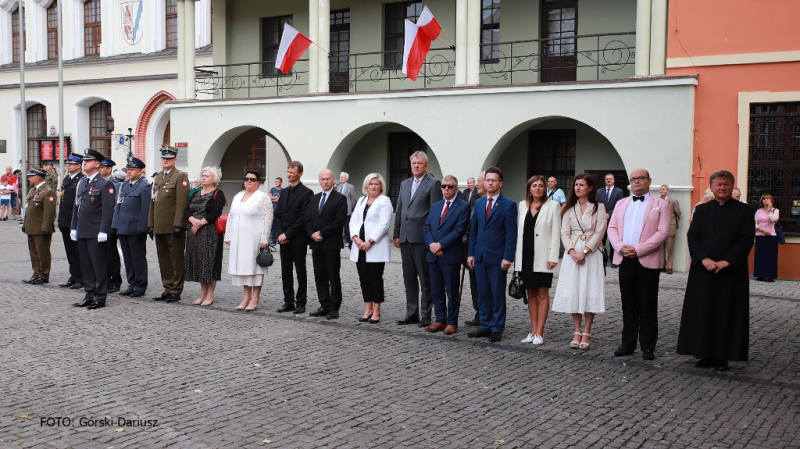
(609,195)
(114,264)
(349,192)
(91,224)
(417,195)
(293,239)
(324,220)
(40,214)
(443,233)
(470,194)
(492,244)
(473,280)
(65,205)
(130,221)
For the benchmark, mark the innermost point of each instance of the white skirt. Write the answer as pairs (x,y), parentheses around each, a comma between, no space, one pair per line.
(581,288)
(253,280)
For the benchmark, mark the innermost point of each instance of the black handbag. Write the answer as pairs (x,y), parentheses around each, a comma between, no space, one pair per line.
(264,258)
(779,233)
(516,289)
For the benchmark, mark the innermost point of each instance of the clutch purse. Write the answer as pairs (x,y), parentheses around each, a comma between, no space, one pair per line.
(516,289)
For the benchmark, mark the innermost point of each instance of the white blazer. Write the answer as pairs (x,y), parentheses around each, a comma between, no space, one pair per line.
(376,227)
(546,239)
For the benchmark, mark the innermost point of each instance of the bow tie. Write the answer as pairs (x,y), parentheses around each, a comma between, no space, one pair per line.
(638,198)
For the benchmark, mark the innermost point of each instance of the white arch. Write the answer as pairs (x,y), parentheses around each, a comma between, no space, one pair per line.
(80,120)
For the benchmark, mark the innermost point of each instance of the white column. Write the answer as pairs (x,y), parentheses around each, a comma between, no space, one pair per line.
(658,38)
(462,22)
(313,51)
(324,64)
(642,59)
(181,50)
(473,41)
(189,48)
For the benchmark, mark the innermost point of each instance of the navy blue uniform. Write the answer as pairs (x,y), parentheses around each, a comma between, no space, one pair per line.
(130,221)
(65,206)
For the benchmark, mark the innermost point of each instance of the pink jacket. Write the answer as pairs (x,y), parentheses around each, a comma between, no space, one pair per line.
(655,230)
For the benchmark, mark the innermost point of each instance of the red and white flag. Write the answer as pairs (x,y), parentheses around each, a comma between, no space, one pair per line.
(293,45)
(418,42)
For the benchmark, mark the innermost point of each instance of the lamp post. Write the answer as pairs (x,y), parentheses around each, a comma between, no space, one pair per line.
(128,137)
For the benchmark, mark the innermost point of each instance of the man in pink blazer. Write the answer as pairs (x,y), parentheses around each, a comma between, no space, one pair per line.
(637,231)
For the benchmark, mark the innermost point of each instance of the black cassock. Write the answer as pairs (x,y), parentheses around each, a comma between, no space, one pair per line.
(716,308)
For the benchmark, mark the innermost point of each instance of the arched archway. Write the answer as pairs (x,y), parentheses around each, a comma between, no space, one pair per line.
(156,113)
(381,147)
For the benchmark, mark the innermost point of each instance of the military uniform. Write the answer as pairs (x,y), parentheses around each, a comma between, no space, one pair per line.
(65,206)
(39,225)
(169,199)
(112,253)
(91,222)
(130,221)
(52,179)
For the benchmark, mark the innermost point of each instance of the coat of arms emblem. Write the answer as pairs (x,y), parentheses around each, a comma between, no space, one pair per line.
(132,29)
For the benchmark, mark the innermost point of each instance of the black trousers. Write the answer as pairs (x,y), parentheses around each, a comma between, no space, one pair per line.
(294,257)
(112,257)
(638,287)
(473,288)
(71,249)
(327,276)
(134,254)
(370,277)
(94,268)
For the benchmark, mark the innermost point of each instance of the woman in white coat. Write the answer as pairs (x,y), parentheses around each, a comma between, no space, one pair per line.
(371,248)
(247,230)
(538,238)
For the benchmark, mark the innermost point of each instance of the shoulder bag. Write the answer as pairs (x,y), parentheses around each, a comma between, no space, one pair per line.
(222,220)
(779,233)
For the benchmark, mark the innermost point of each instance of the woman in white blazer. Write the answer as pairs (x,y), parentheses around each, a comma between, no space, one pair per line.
(538,237)
(371,247)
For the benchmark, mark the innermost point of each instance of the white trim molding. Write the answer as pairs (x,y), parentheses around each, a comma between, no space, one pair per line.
(743,120)
(734,59)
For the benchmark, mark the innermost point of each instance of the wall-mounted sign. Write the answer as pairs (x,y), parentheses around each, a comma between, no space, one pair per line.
(181,144)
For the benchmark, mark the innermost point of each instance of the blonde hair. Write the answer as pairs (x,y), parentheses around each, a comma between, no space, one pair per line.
(216,174)
(708,195)
(369,178)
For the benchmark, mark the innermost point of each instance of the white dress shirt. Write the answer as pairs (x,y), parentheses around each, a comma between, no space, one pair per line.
(634,220)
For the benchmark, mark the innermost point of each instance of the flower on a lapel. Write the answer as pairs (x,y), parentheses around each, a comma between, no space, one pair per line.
(656,209)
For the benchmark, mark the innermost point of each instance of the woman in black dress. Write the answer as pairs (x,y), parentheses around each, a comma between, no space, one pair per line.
(538,234)
(203,244)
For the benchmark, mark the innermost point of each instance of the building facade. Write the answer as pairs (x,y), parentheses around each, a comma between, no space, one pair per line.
(747,105)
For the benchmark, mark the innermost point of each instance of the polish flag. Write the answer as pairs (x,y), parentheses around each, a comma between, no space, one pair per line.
(418,42)
(292,46)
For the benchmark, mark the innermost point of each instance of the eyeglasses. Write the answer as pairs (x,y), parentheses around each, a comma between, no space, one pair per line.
(250,179)
(639,178)
(448,186)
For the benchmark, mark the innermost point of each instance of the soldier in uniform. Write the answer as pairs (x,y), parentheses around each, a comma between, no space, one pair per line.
(166,222)
(91,224)
(130,221)
(65,206)
(112,254)
(38,224)
(51,177)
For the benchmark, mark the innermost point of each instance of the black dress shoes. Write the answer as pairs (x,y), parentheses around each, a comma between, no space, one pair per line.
(647,354)
(425,322)
(137,294)
(161,297)
(706,363)
(408,320)
(299,309)
(113,288)
(67,284)
(286,308)
(479,334)
(475,322)
(621,352)
(319,312)
(125,293)
(496,337)
(28,281)
(86,302)
(172,298)
(77,286)
(38,281)
(333,314)
(97,304)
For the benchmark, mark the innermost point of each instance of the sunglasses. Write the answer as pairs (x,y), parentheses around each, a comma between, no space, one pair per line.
(448,186)
(250,179)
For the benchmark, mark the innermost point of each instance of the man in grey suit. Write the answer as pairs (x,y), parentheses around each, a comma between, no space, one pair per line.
(470,194)
(349,192)
(417,195)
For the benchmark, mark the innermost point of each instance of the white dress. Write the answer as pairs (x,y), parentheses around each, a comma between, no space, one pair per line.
(581,288)
(249,225)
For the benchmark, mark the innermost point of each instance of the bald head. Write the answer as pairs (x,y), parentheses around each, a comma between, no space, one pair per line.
(326,179)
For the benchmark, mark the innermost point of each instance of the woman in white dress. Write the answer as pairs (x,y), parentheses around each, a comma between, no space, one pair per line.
(581,283)
(247,230)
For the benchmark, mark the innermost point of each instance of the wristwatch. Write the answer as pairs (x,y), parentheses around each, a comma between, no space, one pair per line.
(585,250)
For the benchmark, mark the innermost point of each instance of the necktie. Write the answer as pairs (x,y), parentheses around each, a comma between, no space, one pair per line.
(638,198)
(444,212)
(414,187)
(608,193)
(489,207)
(321,203)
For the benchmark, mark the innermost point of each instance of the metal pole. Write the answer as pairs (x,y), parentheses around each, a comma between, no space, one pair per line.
(23,110)
(60,99)
(130,145)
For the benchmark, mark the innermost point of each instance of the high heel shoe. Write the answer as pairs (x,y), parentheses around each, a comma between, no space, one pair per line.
(585,345)
(243,305)
(576,344)
(251,308)
(207,302)
(364,320)
(371,321)
(198,301)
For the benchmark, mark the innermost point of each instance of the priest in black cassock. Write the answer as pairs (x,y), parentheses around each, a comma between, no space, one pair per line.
(716,315)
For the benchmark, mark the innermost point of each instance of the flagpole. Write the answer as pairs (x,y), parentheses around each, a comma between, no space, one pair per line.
(22,109)
(451,44)
(326,51)
(61,146)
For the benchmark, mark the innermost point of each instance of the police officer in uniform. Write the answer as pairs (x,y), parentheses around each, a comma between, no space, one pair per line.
(91,225)
(166,222)
(130,221)
(65,206)
(51,176)
(38,224)
(112,254)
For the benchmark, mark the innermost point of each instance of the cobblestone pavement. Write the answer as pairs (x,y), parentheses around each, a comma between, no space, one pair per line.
(213,377)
